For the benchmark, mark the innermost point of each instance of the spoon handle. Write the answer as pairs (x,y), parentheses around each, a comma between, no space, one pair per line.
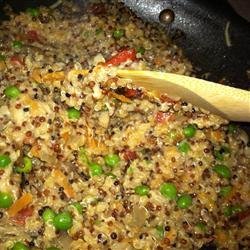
(228,102)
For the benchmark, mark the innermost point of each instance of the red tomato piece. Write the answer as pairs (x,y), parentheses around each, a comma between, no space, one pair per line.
(16,61)
(122,56)
(129,155)
(21,216)
(243,215)
(167,99)
(132,93)
(161,117)
(32,36)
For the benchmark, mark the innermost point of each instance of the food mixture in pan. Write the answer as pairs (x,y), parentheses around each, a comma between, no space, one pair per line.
(89,161)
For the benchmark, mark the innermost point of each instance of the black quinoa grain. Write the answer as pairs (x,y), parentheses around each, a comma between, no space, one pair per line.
(116,183)
(40,211)
(68,95)
(113,235)
(167,228)
(18,106)
(206,174)
(198,236)
(206,150)
(102,192)
(127,206)
(185,225)
(50,70)
(44,18)
(42,119)
(23,181)
(62,196)
(200,163)
(191,184)
(84,176)
(114,213)
(80,77)
(31,244)
(143,236)
(158,208)
(40,231)
(1,215)
(159,248)
(183,241)
(26,109)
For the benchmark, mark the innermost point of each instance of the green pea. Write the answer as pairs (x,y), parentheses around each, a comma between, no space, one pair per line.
(73,114)
(52,248)
(232,210)
(4,161)
(48,215)
(97,222)
(168,190)
(220,154)
(142,190)
(12,92)
(183,147)
(141,50)
(86,34)
(63,221)
(83,155)
(184,201)
(19,246)
(189,131)
(201,226)
(222,170)
(98,31)
(111,175)
(172,134)
(6,200)
(232,128)
(27,166)
(228,211)
(225,191)
(2,58)
(118,33)
(78,207)
(130,170)
(34,12)
(95,169)
(160,231)
(17,44)
(112,160)
(236,209)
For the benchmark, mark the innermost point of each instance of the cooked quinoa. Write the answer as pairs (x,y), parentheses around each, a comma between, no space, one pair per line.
(90,161)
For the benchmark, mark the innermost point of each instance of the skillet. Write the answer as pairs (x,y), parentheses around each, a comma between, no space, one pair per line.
(198,28)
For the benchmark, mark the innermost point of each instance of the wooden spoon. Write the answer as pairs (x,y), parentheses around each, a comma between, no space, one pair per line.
(228,102)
